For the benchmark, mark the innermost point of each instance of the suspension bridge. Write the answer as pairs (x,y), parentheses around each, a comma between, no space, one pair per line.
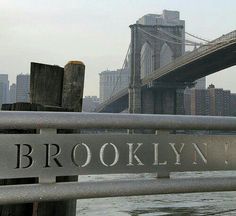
(206,58)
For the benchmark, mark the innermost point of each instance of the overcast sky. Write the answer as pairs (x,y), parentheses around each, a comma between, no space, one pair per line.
(97,32)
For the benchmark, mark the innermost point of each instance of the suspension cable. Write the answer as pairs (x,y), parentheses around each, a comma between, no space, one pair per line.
(169,34)
(119,77)
(177,37)
(189,43)
(197,37)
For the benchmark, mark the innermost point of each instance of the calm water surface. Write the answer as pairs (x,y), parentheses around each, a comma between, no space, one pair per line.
(222,203)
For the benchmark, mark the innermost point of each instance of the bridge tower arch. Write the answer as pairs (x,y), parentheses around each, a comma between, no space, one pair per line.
(166,55)
(160,41)
(147,60)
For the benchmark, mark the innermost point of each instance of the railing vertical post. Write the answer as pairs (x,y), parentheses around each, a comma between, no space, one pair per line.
(21,209)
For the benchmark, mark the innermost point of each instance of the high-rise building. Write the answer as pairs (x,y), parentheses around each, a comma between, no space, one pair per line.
(90,103)
(219,101)
(190,94)
(12,93)
(4,89)
(111,82)
(233,104)
(211,101)
(199,102)
(168,17)
(22,87)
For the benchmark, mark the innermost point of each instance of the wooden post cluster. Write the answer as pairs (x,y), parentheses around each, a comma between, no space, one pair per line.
(52,85)
(52,88)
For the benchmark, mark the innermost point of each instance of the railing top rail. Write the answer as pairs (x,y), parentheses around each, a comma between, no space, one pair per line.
(80,190)
(66,120)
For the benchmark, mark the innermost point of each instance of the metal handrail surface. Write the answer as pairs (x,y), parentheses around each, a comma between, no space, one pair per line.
(81,190)
(67,120)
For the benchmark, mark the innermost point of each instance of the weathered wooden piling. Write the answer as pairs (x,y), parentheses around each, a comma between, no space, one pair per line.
(46,84)
(73,85)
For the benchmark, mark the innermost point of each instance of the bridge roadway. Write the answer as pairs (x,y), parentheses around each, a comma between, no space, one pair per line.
(205,60)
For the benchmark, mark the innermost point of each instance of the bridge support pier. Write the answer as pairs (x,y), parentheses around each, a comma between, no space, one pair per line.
(135,100)
(163,100)
(180,101)
(130,98)
(148,103)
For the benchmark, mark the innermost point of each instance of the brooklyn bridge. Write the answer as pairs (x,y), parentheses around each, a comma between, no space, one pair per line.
(157,83)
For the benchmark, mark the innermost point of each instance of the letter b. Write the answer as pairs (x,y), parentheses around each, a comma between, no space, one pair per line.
(20,155)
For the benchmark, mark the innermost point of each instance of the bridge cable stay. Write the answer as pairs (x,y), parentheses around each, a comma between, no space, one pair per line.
(189,43)
(119,77)
(171,35)
(197,37)
(180,38)
(155,36)
(208,43)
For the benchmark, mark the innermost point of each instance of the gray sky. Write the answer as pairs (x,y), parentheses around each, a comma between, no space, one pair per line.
(97,32)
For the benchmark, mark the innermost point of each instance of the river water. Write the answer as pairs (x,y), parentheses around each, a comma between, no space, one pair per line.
(215,203)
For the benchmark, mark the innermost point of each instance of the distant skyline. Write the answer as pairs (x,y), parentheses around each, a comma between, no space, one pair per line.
(97,32)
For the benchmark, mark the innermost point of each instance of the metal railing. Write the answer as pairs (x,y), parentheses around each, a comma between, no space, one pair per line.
(47,123)
(71,120)
(84,190)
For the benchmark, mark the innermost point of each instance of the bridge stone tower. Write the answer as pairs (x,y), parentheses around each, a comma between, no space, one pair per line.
(156,40)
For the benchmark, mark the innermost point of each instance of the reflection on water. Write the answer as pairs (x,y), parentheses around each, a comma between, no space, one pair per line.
(221,203)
